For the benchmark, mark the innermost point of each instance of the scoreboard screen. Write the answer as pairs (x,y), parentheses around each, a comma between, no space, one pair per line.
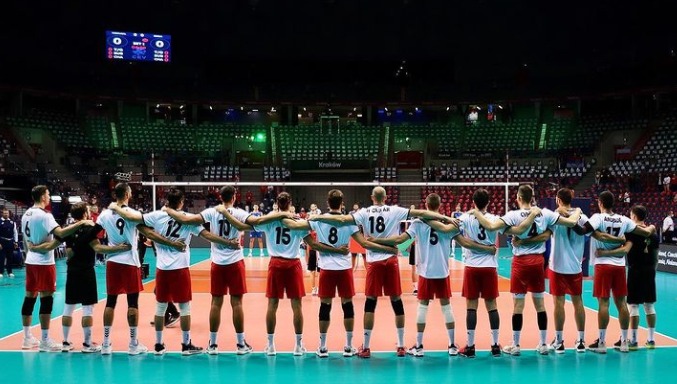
(138,46)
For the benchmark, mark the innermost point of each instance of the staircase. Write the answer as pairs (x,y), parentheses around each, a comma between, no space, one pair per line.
(409,195)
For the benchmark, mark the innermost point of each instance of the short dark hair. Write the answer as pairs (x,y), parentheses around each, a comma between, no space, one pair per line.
(433,201)
(606,198)
(37,192)
(335,199)
(174,198)
(481,198)
(120,190)
(526,193)
(283,201)
(227,192)
(566,195)
(640,211)
(78,210)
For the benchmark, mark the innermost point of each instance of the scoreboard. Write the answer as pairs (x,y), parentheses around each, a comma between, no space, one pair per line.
(138,46)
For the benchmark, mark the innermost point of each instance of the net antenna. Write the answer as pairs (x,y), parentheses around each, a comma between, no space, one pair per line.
(155,184)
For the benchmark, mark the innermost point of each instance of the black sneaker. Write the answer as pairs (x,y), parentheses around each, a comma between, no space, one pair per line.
(171,320)
(557,347)
(467,351)
(160,349)
(617,345)
(496,350)
(580,346)
(190,349)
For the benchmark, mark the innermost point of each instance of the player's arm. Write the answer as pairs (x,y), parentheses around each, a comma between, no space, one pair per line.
(607,238)
(100,248)
(644,231)
(533,239)
(571,221)
(333,219)
(127,214)
(71,229)
(525,224)
(183,217)
(314,244)
(45,247)
(296,224)
(69,253)
(430,215)
(619,252)
(154,236)
(441,227)
(489,225)
(212,238)
(469,244)
(372,246)
(392,240)
(240,226)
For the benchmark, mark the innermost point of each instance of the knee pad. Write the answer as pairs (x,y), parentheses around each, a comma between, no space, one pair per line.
(448,314)
(519,295)
(68,310)
(633,309)
(370,305)
(538,295)
(160,309)
(184,308)
(649,308)
(111,301)
(46,304)
(133,300)
(87,310)
(348,310)
(421,314)
(28,305)
(398,307)
(325,309)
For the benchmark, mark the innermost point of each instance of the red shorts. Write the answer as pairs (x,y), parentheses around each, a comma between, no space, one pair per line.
(383,277)
(285,275)
(609,278)
(40,278)
(480,282)
(229,278)
(565,284)
(527,274)
(429,289)
(332,281)
(122,278)
(173,285)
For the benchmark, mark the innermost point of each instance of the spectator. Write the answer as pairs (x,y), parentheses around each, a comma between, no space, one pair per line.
(8,242)
(666,184)
(668,228)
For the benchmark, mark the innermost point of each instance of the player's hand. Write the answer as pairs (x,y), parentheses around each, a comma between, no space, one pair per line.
(16,246)
(233,244)
(344,250)
(312,217)
(88,223)
(652,228)
(179,246)
(29,245)
(124,247)
(495,250)
(471,212)
(598,253)
(393,250)
(113,205)
(370,238)
(221,209)
(516,241)
(535,210)
(164,208)
(563,212)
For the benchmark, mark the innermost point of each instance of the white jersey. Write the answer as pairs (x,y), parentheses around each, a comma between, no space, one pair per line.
(282,241)
(169,258)
(380,221)
(546,219)
(336,236)
(432,250)
(613,224)
(472,230)
(37,226)
(121,231)
(567,247)
(219,226)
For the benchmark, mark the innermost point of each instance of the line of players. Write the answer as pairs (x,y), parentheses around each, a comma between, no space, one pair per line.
(173,228)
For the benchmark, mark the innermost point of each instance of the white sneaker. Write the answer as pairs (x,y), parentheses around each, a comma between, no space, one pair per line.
(299,350)
(90,348)
(30,343)
(66,346)
(322,352)
(50,345)
(244,349)
(624,347)
(1,276)
(107,349)
(512,350)
(349,351)
(598,347)
(453,350)
(11,275)
(270,350)
(137,349)
(542,349)
(213,349)
(416,350)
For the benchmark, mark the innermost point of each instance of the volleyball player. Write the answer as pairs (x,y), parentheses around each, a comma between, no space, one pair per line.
(456,215)
(253,234)
(312,264)
(228,275)
(383,275)
(39,227)
(432,263)
(527,271)
(285,273)
(123,270)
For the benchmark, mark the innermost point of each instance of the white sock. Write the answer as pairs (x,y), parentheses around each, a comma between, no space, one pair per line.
(158,337)
(323,340)
(106,335)
(651,334)
(27,332)
(633,335)
(400,337)
(471,337)
(349,338)
(240,338)
(186,337)
(451,335)
(419,338)
(271,339)
(299,339)
(543,336)
(45,334)
(88,335)
(494,336)
(602,335)
(212,338)
(367,338)
(516,337)
(66,332)
(558,336)
(133,336)
(581,335)
(624,335)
